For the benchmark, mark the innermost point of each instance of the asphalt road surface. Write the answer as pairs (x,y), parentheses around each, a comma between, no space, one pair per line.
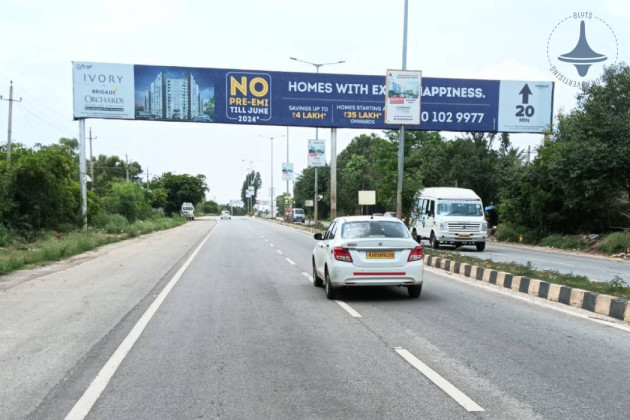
(241,332)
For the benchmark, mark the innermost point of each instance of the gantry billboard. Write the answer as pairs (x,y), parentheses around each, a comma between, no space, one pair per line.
(207,95)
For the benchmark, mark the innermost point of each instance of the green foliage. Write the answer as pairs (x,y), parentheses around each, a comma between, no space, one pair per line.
(251,179)
(304,189)
(615,243)
(115,223)
(179,189)
(580,180)
(564,241)
(127,199)
(210,207)
(5,236)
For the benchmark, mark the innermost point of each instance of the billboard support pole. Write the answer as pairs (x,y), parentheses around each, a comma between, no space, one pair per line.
(401,143)
(333,173)
(315,197)
(82,180)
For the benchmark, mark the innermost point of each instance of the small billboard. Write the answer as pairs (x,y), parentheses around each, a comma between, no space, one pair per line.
(402,97)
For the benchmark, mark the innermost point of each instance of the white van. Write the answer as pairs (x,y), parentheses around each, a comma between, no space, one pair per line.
(449,216)
(187,211)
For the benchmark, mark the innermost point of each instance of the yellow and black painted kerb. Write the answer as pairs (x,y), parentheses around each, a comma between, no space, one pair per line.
(602,304)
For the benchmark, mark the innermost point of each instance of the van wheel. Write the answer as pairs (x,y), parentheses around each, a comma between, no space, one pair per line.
(481,246)
(435,244)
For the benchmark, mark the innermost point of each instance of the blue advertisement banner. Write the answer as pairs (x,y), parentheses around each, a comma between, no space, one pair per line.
(302,99)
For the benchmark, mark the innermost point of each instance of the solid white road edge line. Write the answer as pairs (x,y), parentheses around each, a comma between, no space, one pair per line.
(461,398)
(348,309)
(531,299)
(290,261)
(82,407)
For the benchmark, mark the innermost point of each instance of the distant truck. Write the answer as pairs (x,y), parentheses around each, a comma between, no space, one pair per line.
(187,211)
(449,216)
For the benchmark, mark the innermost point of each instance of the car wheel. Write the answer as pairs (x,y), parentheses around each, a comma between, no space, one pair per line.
(414,291)
(481,246)
(317,282)
(435,244)
(330,292)
(415,236)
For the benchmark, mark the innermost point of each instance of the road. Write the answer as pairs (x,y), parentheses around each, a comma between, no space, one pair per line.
(597,268)
(243,333)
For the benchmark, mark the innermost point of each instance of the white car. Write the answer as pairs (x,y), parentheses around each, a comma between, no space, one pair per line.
(367,251)
(225,214)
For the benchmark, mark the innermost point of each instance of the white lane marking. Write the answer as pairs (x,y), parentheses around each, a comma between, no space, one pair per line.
(461,398)
(308,276)
(290,261)
(535,300)
(82,407)
(278,251)
(348,309)
(271,245)
(266,240)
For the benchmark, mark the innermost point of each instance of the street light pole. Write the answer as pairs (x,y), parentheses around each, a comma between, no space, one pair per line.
(251,168)
(401,143)
(317,66)
(272,201)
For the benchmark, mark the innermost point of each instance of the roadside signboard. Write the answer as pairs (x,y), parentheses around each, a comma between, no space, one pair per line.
(308,203)
(316,152)
(367,198)
(206,95)
(402,97)
(287,171)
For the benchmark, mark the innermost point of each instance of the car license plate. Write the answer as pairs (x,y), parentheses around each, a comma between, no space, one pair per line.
(380,255)
(464,235)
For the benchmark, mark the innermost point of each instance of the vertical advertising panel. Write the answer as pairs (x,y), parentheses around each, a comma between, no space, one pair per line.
(402,99)
(287,171)
(316,152)
(103,90)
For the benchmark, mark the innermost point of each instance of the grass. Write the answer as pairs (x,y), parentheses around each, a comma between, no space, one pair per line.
(614,243)
(55,247)
(617,287)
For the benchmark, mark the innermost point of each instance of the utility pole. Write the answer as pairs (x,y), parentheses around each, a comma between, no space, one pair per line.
(401,143)
(91,158)
(273,216)
(148,180)
(10,100)
(126,167)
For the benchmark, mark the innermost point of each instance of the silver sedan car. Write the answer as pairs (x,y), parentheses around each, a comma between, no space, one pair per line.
(367,251)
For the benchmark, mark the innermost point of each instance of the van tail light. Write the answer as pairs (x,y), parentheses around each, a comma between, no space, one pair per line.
(416,254)
(342,254)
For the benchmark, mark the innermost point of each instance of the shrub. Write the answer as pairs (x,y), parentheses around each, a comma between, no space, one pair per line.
(115,223)
(128,199)
(5,236)
(564,242)
(615,243)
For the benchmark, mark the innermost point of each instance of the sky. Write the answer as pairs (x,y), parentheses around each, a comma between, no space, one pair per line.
(485,39)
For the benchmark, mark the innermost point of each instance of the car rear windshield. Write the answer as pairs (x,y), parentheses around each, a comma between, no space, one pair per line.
(374,229)
(298,211)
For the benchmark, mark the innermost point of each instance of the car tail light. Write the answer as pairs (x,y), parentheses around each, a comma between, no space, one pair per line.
(342,254)
(416,254)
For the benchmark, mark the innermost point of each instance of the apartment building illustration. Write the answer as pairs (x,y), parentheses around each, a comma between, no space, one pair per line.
(174,98)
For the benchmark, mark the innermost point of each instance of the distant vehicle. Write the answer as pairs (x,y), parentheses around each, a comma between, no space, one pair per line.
(225,214)
(298,215)
(202,118)
(390,214)
(367,251)
(187,211)
(449,216)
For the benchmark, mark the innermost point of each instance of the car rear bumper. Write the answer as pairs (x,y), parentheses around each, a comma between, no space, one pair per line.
(346,274)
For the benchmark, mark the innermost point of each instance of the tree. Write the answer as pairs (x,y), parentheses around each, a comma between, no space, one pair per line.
(180,189)
(303,189)
(128,199)
(252,178)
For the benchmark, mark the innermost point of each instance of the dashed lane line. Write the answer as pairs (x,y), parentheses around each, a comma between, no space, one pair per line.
(461,398)
(348,309)
(290,261)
